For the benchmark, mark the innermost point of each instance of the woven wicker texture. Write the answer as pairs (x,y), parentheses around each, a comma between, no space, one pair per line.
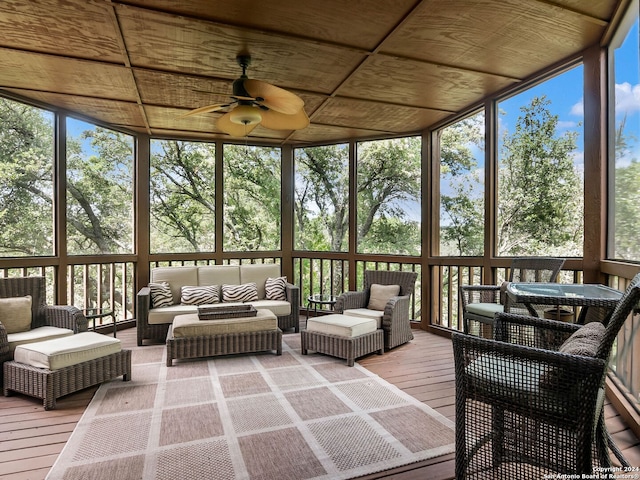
(348,348)
(62,316)
(523,409)
(52,384)
(395,320)
(523,269)
(222,344)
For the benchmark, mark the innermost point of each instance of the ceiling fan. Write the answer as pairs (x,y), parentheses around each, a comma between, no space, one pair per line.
(257,103)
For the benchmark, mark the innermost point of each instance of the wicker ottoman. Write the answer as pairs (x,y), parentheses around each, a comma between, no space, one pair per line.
(342,336)
(190,337)
(58,367)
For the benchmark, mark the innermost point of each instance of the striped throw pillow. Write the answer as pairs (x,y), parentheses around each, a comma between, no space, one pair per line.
(247,292)
(192,295)
(275,288)
(161,295)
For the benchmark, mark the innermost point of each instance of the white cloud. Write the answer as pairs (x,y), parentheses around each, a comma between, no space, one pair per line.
(627,97)
(578,108)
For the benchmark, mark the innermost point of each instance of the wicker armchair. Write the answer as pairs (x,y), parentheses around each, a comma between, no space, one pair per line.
(481,302)
(395,318)
(62,316)
(525,409)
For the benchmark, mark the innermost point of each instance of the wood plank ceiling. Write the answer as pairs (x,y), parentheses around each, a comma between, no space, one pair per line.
(365,68)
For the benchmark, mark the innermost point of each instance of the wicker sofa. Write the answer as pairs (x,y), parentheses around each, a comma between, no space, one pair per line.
(153,323)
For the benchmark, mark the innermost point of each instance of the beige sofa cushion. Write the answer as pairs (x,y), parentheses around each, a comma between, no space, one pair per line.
(218,274)
(192,326)
(341,325)
(62,352)
(36,335)
(176,277)
(279,307)
(15,313)
(158,316)
(258,274)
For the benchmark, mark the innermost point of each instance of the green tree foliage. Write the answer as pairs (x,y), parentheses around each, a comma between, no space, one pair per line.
(100,192)
(252,198)
(462,207)
(26,180)
(322,198)
(539,190)
(627,196)
(388,193)
(389,173)
(182,193)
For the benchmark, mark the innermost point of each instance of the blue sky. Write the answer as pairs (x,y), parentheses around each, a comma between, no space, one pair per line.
(565,92)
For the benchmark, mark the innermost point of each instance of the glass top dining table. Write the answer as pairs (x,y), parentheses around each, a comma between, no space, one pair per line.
(557,294)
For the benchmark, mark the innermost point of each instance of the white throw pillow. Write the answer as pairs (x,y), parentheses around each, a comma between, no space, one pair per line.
(193,295)
(15,314)
(276,288)
(379,295)
(161,295)
(246,292)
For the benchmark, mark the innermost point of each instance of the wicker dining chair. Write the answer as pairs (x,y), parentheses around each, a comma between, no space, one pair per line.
(523,411)
(395,319)
(480,303)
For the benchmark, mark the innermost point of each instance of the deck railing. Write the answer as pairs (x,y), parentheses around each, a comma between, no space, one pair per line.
(112,285)
(319,273)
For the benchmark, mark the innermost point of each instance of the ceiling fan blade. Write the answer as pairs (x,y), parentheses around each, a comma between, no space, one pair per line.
(280,121)
(275,98)
(207,109)
(225,124)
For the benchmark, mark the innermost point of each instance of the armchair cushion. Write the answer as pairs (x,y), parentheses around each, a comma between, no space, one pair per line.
(161,295)
(366,313)
(380,295)
(585,341)
(15,313)
(196,295)
(485,309)
(36,335)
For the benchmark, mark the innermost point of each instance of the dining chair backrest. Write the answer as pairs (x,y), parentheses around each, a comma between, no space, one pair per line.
(535,269)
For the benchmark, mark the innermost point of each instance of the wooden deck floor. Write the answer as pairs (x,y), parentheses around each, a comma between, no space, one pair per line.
(31,439)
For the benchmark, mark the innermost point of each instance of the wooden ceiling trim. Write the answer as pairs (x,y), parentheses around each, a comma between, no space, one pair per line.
(602,22)
(127,62)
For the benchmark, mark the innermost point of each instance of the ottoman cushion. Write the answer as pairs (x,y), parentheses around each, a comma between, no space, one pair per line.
(63,352)
(39,334)
(342,325)
(191,326)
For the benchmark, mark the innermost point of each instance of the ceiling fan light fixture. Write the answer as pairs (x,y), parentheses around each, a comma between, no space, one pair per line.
(245,115)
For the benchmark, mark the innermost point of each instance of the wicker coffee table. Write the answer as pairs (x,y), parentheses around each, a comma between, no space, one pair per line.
(190,337)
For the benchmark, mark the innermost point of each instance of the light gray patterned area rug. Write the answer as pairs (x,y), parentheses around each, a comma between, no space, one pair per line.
(257,416)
